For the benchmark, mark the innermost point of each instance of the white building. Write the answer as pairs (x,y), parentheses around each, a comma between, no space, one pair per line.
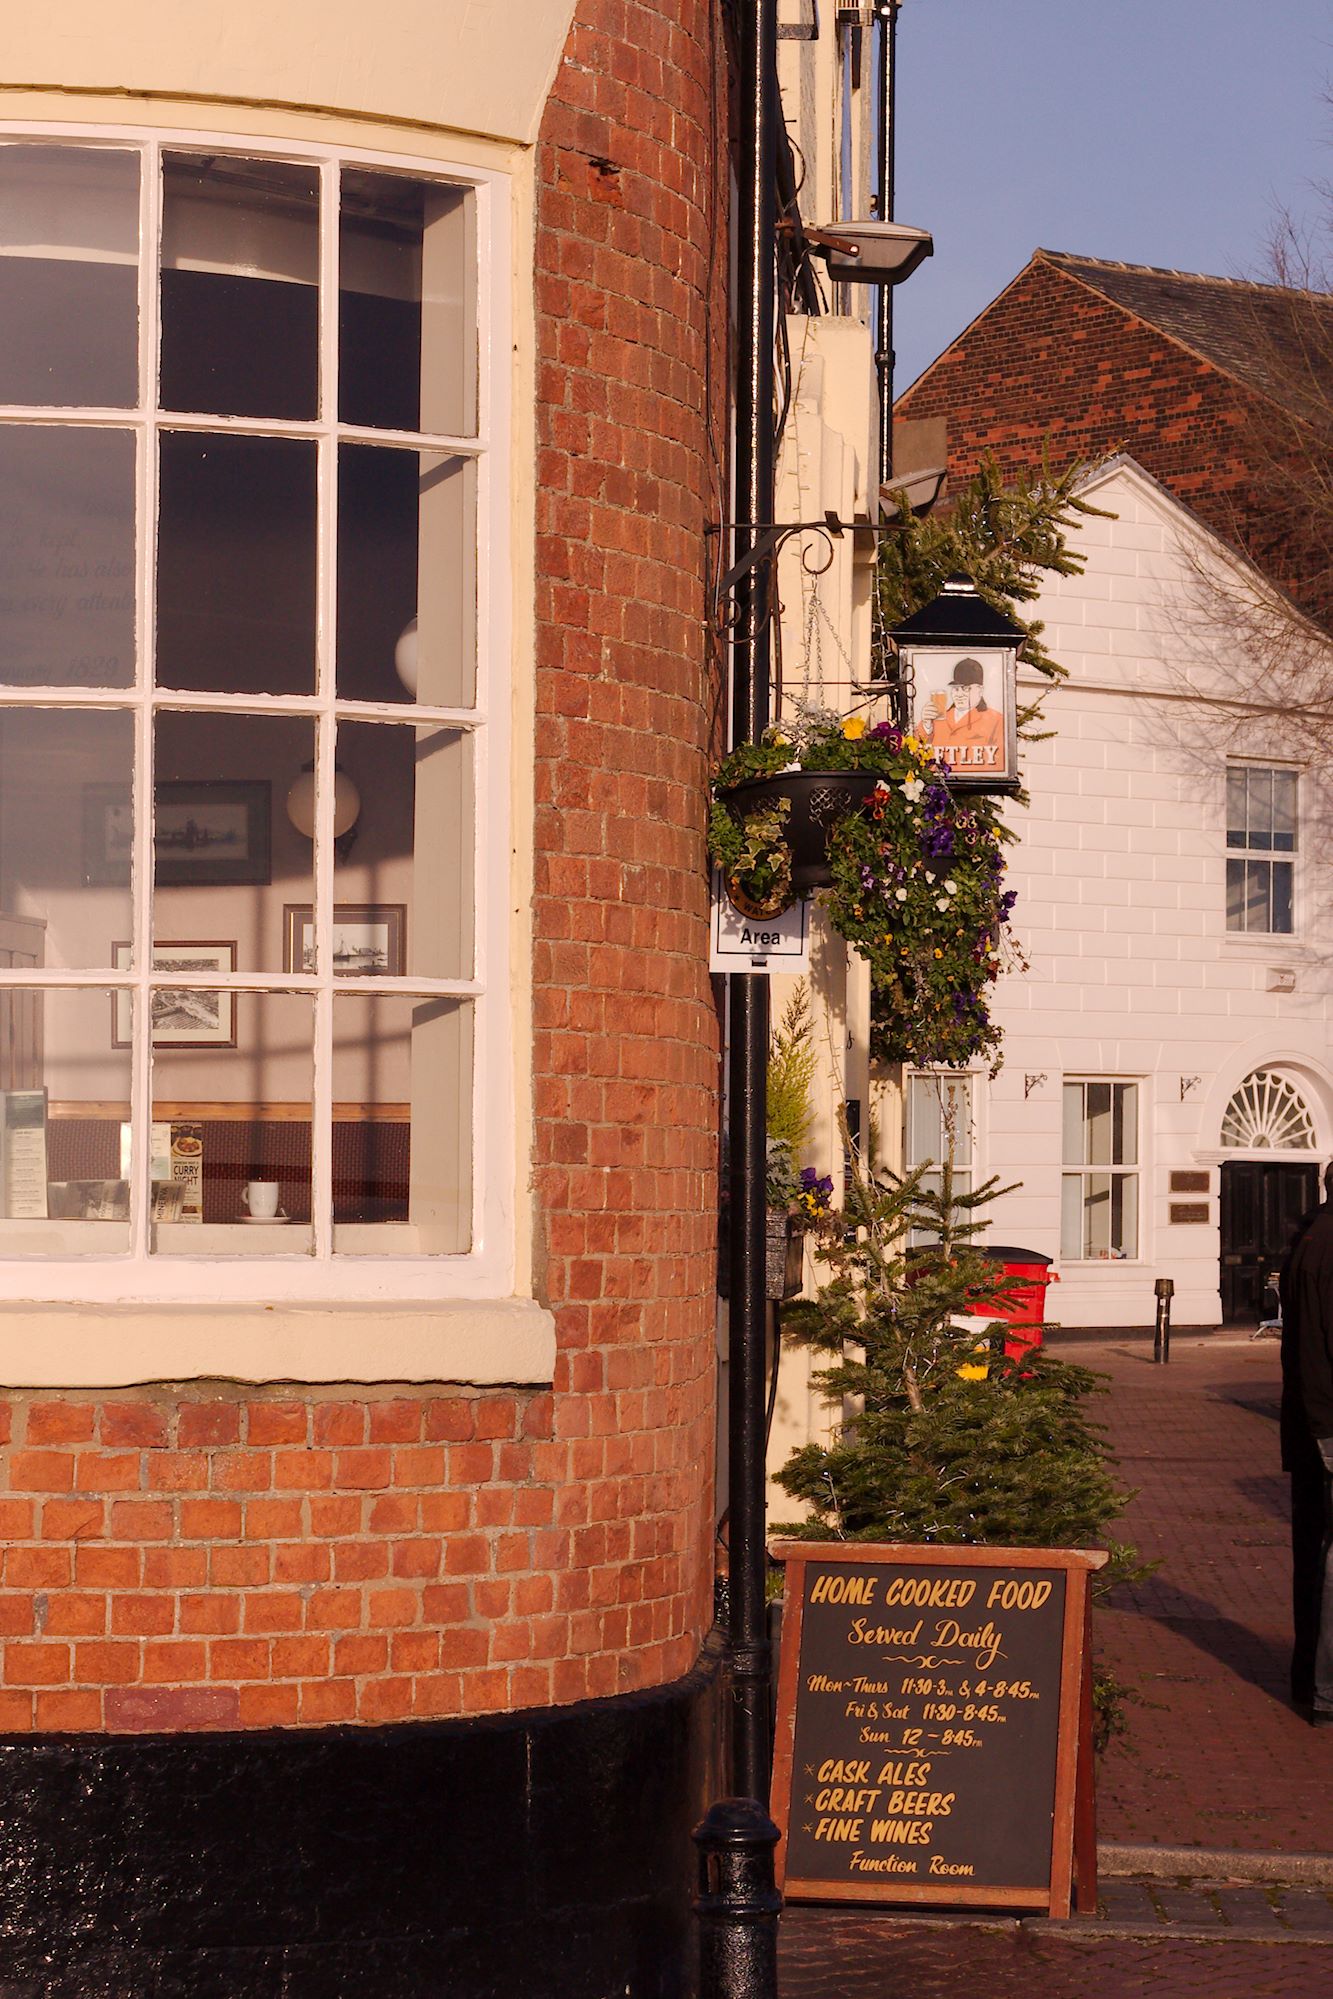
(1167,1092)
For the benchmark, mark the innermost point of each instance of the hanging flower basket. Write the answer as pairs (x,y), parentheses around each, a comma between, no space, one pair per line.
(907,873)
(816,801)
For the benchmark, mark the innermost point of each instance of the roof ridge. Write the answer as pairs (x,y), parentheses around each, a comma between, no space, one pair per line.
(1168,271)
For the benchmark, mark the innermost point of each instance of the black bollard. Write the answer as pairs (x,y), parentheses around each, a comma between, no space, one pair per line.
(1161,1339)
(737,1904)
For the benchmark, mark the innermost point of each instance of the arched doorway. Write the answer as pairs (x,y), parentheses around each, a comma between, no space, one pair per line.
(1266,1191)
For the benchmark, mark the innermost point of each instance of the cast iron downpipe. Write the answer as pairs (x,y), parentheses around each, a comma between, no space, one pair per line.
(748,1018)
(884,201)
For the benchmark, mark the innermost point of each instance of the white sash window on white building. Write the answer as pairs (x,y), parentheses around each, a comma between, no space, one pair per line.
(1261,848)
(1099,1207)
(245,958)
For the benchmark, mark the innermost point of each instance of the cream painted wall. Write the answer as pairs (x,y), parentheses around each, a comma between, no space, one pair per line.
(482,66)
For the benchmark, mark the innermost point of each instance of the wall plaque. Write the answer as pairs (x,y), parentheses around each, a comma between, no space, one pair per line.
(934,1735)
(1190,1182)
(1189,1211)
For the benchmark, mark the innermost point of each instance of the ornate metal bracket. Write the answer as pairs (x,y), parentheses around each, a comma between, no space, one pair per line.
(770,537)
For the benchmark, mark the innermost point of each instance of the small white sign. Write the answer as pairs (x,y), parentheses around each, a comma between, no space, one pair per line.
(758,944)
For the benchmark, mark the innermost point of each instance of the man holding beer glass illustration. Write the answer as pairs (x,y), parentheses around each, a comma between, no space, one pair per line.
(961,727)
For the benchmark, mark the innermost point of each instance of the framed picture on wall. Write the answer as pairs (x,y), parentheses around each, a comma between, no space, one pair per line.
(206,834)
(183,1016)
(369,939)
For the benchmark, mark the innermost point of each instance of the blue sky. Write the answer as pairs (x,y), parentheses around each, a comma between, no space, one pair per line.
(1153,131)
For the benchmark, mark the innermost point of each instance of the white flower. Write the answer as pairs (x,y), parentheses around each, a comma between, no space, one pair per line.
(900,894)
(912,788)
(929,876)
(951,888)
(942,903)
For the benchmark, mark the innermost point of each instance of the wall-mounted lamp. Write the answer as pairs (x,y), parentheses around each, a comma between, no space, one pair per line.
(346,808)
(407,657)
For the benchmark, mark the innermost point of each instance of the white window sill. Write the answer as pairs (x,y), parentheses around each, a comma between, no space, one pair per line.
(121,1346)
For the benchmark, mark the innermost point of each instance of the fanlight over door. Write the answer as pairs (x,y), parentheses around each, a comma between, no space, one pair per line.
(1268,1114)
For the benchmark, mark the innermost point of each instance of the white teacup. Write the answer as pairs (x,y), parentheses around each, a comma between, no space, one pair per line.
(261,1199)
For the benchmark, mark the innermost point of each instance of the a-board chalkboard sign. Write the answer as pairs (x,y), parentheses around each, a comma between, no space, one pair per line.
(934,1725)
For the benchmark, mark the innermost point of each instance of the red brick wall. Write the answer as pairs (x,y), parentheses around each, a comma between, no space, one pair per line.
(631,266)
(218,1557)
(1053,358)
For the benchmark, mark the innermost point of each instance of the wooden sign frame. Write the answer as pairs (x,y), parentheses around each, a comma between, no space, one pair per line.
(1074,1830)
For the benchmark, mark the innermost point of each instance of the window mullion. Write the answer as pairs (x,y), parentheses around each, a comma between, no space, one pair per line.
(141,1053)
(321,1110)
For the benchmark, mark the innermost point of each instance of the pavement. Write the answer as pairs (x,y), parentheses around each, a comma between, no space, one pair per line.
(1215,1807)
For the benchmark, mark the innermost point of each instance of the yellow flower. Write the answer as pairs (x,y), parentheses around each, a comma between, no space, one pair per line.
(910,743)
(939,954)
(853,727)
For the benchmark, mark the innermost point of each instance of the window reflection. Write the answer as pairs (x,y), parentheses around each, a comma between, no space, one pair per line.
(407,598)
(411,860)
(66,556)
(64,1099)
(240,286)
(69,283)
(402,1130)
(65,833)
(406,325)
(236,564)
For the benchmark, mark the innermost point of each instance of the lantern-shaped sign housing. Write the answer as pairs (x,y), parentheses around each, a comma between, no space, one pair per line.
(958,662)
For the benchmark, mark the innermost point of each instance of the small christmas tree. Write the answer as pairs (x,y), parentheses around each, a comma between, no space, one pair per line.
(933,1453)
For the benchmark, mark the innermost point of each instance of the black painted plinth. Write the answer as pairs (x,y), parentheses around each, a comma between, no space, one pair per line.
(543,1855)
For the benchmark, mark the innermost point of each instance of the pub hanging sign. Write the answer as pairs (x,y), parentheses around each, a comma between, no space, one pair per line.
(958,662)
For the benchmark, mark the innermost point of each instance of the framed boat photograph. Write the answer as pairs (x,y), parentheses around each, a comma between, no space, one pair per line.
(368,940)
(183,1016)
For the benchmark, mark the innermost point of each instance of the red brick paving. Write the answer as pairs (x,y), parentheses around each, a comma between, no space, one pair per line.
(1213,1756)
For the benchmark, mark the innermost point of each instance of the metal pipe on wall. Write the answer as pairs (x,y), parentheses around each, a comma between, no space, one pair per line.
(884,203)
(748,996)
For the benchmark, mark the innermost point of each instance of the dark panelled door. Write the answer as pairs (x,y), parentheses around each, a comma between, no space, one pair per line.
(1262,1201)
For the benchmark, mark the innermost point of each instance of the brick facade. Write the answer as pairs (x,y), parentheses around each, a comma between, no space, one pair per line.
(226,1557)
(1054,359)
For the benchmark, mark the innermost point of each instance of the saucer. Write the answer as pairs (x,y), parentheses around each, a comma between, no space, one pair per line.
(265,1221)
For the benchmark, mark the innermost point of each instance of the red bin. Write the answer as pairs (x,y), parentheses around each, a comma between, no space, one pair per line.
(1023,1303)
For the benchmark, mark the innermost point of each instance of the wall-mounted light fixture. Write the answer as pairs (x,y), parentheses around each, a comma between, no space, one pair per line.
(407,657)
(346,808)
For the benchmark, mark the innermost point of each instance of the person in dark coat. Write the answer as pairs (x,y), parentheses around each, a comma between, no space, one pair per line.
(1306,1290)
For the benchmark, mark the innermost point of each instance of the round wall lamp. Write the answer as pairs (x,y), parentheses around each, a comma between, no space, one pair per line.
(346,807)
(407,657)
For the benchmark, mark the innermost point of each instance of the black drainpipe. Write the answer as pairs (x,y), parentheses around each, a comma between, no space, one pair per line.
(884,199)
(748,1011)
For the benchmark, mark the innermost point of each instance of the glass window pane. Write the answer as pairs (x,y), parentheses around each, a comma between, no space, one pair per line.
(1098,1124)
(232,1122)
(1071,1215)
(1096,1214)
(65,788)
(1235,895)
(1282,874)
(69,284)
(1125,1214)
(240,286)
(227,856)
(66,557)
(1260,787)
(64,1093)
(407,592)
(1073,1124)
(402,1132)
(416,798)
(1284,811)
(407,341)
(1126,1124)
(236,564)
(1236,816)
(1258,875)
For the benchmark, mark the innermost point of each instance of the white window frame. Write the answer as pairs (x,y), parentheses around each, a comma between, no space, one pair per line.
(486,1270)
(1266,855)
(1070,1168)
